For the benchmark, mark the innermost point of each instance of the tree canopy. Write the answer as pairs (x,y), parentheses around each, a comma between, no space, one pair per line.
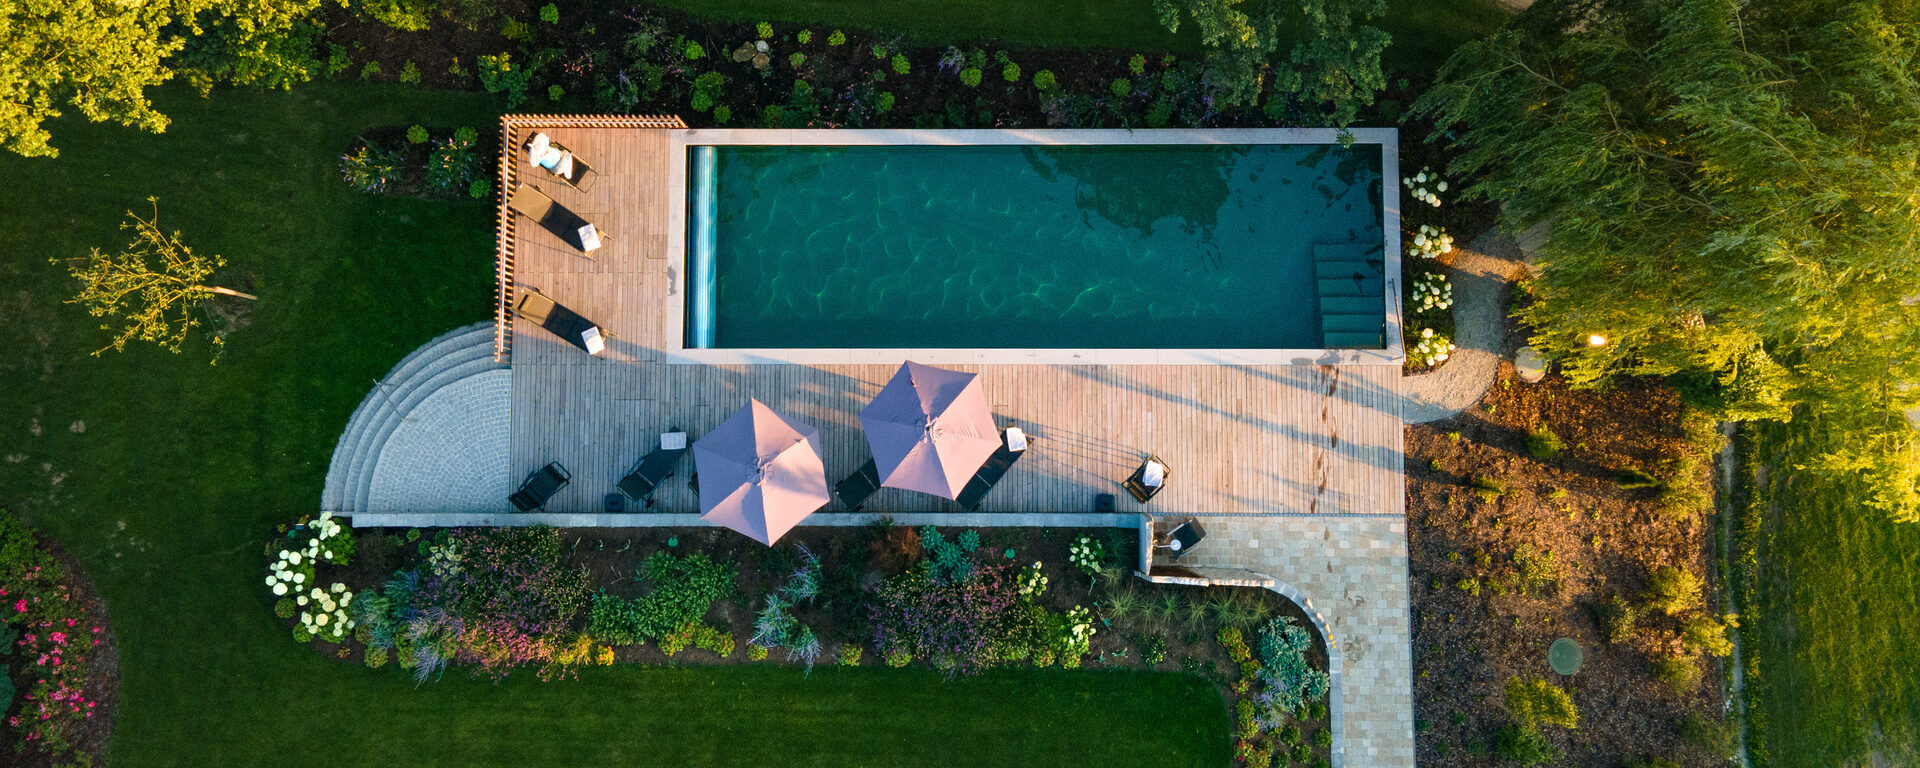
(1335,56)
(1733,198)
(99,57)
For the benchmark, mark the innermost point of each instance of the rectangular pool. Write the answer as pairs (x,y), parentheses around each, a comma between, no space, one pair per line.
(954,244)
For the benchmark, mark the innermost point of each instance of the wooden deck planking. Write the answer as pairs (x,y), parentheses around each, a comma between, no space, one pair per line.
(1240,439)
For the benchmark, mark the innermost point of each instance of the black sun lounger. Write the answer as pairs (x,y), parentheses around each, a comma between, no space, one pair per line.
(540,486)
(854,490)
(555,317)
(550,215)
(989,475)
(647,475)
(1136,483)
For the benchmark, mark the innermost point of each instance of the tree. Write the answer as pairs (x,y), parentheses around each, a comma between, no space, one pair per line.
(151,289)
(1729,192)
(99,57)
(1335,56)
(1673,590)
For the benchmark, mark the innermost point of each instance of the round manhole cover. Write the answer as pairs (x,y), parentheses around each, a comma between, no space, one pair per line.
(1564,656)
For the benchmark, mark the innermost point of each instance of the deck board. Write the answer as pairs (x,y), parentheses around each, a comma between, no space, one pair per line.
(1302,439)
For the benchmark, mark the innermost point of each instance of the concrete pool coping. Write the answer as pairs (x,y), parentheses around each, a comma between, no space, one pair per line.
(676,351)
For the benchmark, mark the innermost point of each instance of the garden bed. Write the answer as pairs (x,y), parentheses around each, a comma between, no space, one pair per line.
(1510,550)
(66,639)
(1135,625)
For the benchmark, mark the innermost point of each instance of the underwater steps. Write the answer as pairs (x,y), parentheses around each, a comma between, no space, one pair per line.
(1351,284)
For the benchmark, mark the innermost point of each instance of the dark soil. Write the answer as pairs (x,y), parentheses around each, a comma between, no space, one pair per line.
(1607,541)
(90,735)
(853,563)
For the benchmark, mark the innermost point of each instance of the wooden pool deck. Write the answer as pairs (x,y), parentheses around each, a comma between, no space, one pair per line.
(1240,439)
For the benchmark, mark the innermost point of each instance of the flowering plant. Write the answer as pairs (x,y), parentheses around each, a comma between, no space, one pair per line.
(1430,242)
(953,622)
(53,645)
(1032,582)
(1432,348)
(323,612)
(1076,637)
(1419,185)
(1087,554)
(1431,291)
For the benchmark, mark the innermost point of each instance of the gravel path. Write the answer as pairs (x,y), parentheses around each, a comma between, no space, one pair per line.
(1482,274)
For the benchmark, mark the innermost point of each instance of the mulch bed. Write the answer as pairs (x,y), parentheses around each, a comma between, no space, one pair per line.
(1607,540)
(90,735)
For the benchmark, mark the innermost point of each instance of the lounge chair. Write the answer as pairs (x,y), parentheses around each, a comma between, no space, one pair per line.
(855,490)
(540,486)
(548,155)
(555,218)
(562,322)
(655,467)
(995,468)
(1136,483)
(1184,537)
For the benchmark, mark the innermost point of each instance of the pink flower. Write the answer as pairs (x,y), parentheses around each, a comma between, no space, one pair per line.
(20,607)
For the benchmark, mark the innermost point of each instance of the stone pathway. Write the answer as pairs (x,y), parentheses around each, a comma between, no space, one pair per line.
(1482,274)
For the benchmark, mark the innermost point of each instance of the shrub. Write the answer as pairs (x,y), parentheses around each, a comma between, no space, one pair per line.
(1087,554)
(417,135)
(1044,81)
(1153,650)
(895,548)
(1137,64)
(1315,711)
(1121,87)
(1535,571)
(850,654)
(763,29)
(706,90)
(1632,477)
(958,620)
(1617,619)
(1159,113)
(880,52)
(950,558)
(1010,73)
(376,658)
(1302,754)
(837,38)
(1543,444)
(1534,701)
(804,36)
(47,614)
(479,189)
(898,658)
(693,51)
(453,166)
(900,64)
(516,30)
(756,652)
(721,114)
(1678,672)
(776,626)
(1429,347)
(337,59)
(1704,634)
(409,72)
(1288,682)
(796,59)
(1468,585)
(970,77)
(1524,745)
(369,70)
(284,608)
(555,92)
(370,170)
(1290,735)
(499,75)
(1673,590)
(1716,736)
(1488,489)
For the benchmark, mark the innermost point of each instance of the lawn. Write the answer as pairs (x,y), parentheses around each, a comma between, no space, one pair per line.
(1424,31)
(162,473)
(1833,624)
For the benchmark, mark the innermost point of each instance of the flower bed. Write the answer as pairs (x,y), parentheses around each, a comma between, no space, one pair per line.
(61,676)
(491,601)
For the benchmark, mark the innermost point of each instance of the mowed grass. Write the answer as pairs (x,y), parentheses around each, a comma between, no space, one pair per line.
(1424,31)
(1838,625)
(163,473)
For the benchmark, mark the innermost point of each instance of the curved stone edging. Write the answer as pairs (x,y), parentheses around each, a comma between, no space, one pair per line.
(1482,274)
(1338,753)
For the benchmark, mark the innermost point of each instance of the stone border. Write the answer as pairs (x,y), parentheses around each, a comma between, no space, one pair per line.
(691,520)
(673,347)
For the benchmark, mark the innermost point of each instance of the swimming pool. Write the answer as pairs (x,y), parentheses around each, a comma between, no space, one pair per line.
(1087,246)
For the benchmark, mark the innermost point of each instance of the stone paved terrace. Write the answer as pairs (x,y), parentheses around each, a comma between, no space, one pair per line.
(1296,469)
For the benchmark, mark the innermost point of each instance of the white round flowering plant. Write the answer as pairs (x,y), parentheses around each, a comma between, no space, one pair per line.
(1431,291)
(1425,186)
(1429,242)
(1076,637)
(1032,582)
(1430,348)
(292,575)
(1087,554)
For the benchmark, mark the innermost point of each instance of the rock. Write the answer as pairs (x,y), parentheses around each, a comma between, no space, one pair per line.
(1530,365)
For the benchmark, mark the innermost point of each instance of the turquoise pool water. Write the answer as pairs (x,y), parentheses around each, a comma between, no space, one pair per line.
(1033,247)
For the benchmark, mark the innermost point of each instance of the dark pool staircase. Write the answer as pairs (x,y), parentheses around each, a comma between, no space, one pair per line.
(1352,286)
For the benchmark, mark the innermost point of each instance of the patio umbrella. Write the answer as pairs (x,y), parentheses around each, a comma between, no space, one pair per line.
(760,473)
(930,429)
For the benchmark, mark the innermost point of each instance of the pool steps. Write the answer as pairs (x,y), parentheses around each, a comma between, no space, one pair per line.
(1352,288)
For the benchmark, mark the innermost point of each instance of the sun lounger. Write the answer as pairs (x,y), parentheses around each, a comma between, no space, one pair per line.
(565,165)
(854,490)
(540,486)
(565,323)
(555,218)
(655,467)
(991,472)
(1137,484)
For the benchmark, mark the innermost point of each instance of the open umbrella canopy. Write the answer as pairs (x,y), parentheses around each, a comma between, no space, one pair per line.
(761,473)
(930,429)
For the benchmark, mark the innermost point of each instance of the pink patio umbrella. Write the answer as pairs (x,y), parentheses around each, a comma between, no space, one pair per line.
(761,473)
(930,430)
